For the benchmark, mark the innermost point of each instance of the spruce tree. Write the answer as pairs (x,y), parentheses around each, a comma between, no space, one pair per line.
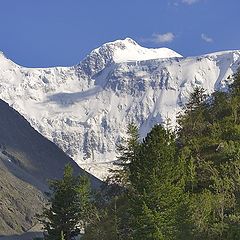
(69,206)
(127,151)
(157,197)
(112,202)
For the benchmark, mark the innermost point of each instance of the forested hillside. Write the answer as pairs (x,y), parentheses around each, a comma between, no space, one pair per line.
(182,184)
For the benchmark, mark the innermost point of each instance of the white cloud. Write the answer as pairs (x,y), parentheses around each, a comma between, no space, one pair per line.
(161,38)
(206,38)
(189,2)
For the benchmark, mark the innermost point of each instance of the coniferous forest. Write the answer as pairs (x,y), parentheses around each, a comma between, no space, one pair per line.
(172,185)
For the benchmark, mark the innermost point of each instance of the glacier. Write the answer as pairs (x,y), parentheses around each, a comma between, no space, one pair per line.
(85,108)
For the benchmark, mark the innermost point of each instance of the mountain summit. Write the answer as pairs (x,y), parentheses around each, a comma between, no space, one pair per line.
(126,50)
(85,109)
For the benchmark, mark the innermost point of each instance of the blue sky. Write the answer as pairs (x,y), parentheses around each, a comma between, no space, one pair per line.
(61,32)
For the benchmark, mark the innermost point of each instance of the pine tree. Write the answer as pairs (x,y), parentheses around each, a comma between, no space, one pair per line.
(157,197)
(235,86)
(127,151)
(69,206)
(147,226)
(112,203)
(191,121)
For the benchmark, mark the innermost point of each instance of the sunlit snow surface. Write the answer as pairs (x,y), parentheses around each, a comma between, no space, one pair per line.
(85,109)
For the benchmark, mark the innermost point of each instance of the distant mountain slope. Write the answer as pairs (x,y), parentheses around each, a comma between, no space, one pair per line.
(19,201)
(84,109)
(27,160)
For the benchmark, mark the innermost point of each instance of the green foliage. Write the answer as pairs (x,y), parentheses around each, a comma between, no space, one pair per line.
(113,216)
(69,208)
(111,221)
(209,140)
(158,196)
(127,151)
(183,186)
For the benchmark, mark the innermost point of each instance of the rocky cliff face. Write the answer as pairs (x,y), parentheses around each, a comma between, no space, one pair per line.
(85,109)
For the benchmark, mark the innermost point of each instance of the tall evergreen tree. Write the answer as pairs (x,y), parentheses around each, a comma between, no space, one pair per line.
(113,221)
(69,207)
(127,151)
(157,197)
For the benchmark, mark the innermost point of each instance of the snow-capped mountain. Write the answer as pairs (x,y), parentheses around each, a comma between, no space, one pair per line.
(85,109)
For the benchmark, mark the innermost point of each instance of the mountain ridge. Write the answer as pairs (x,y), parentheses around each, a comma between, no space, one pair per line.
(85,108)
(122,42)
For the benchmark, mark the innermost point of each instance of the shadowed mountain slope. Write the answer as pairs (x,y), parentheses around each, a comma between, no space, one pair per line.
(27,161)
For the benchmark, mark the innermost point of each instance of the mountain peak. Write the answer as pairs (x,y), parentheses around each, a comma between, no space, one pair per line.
(122,42)
(122,50)
(129,50)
